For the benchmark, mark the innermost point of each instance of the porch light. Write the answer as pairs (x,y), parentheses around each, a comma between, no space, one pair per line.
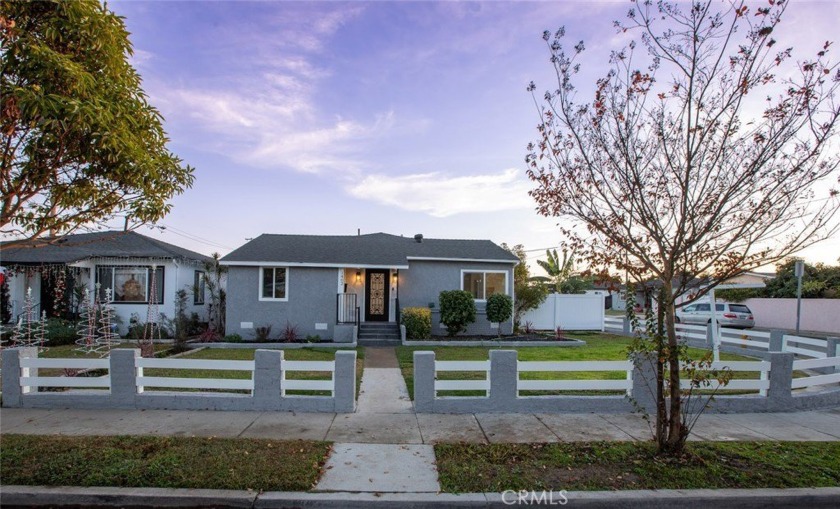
(358,277)
(396,277)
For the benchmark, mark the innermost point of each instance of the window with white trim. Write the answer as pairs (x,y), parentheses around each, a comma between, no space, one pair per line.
(199,287)
(483,284)
(274,283)
(129,284)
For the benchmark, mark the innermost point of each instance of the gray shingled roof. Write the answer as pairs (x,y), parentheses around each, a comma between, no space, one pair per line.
(81,246)
(372,249)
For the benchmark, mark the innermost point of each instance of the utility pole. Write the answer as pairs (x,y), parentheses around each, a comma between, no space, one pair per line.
(798,271)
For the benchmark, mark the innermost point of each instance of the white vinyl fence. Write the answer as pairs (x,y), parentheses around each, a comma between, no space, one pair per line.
(269,382)
(569,312)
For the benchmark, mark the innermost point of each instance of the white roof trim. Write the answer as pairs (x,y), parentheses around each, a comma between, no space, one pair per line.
(308,264)
(431,258)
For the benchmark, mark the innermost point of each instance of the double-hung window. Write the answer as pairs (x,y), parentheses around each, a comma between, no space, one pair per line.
(274,283)
(130,284)
(483,284)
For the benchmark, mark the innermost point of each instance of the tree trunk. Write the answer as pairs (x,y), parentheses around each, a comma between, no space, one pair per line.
(675,433)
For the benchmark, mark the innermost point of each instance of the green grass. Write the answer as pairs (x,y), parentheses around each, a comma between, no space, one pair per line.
(599,346)
(247,354)
(162,462)
(628,465)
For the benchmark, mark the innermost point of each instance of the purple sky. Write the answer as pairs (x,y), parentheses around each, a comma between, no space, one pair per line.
(401,117)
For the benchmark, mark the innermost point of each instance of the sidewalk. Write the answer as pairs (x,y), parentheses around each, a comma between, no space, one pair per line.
(405,428)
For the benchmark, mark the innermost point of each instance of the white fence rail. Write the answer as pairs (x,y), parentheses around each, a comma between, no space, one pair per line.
(31,383)
(297,384)
(802,346)
(144,382)
(816,379)
(625,384)
(261,384)
(463,385)
(745,338)
(737,384)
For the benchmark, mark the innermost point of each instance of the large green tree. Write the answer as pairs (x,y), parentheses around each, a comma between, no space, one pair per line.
(81,144)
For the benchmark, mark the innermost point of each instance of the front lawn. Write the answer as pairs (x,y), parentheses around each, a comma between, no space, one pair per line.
(162,462)
(632,466)
(599,346)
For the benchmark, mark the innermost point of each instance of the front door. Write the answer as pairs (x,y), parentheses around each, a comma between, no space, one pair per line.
(376,295)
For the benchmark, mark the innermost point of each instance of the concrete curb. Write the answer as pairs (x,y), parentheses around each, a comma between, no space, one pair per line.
(43,496)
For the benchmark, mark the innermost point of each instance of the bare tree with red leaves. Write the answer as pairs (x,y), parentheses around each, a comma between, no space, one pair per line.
(709,153)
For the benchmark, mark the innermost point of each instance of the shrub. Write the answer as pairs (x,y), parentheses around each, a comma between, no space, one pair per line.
(457,310)
(262,333)
(313,339)
(233,338)
(417,321)
(290,333)
(60,332)
(499,308)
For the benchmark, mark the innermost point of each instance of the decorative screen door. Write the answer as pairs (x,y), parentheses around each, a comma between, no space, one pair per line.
(376,295)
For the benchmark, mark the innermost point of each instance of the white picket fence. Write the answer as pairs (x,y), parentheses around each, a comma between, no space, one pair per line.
(613,324)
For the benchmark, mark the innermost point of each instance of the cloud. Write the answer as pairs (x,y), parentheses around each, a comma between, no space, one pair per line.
(440,195)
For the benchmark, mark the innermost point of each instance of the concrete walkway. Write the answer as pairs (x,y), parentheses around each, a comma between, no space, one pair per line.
(383,389)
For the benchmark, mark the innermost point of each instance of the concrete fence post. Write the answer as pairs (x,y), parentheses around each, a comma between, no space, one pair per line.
(625,327)
(123,371)
(268,376)
(777,340)
(424,382)
(781,378)
(12,393)
(644,381)
(710,337)
(831,350)
(344,392)
(504,379)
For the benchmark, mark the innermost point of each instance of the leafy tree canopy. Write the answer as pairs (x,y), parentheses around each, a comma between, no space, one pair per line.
(80,141)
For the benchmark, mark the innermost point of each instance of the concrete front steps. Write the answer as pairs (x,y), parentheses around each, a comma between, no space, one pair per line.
(379,334)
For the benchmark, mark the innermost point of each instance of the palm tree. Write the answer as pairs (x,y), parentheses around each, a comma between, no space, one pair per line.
(562,272)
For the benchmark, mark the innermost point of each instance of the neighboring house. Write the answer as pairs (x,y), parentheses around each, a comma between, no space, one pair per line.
(327,285)
(121,261)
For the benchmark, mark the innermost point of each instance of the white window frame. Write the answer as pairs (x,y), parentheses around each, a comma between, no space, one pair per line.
(260,284)
(484,278)
(199,288)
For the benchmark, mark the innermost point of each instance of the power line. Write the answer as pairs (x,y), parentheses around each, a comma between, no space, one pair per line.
(192,237)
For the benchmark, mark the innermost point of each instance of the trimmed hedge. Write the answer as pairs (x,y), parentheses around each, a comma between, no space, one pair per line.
(499,308)
(418,322)
(457,310)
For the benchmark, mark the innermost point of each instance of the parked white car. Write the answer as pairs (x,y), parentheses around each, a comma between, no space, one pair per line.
(728,314)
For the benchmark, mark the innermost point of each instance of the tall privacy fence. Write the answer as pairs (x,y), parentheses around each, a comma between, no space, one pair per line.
(126,380)
(505,384)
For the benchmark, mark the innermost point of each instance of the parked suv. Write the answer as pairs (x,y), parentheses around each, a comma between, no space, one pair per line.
(728,314)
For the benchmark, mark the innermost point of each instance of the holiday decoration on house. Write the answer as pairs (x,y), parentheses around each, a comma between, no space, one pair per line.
(107,338)
(151,331)
(88,311)
(60,289)
(30,330)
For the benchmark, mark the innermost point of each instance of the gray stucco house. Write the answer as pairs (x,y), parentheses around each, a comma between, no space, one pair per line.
(338,286)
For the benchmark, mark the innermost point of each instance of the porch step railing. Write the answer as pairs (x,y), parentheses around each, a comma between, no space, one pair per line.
(347,308)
